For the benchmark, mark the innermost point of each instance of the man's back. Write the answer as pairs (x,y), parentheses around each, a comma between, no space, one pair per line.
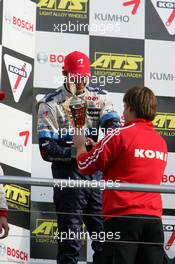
(142,159)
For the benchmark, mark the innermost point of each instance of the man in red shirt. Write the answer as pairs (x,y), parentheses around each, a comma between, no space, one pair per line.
(135,153)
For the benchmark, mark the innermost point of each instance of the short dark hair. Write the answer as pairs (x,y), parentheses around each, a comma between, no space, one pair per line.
(142,101)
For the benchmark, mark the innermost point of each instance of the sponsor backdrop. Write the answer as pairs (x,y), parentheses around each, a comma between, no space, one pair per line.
(129,43)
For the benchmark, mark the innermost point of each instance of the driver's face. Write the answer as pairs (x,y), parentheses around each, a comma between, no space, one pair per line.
(77,84)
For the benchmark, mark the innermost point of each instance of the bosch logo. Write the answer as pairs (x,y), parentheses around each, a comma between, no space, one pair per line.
(42,58)
(21,23)
(56,58)
(168,178)
(16,253)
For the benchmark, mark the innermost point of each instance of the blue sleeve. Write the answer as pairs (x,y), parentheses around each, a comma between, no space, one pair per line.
(51,151)
(110,120)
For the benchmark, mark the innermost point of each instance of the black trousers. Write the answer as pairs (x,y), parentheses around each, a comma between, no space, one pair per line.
(78,206)
(130,249)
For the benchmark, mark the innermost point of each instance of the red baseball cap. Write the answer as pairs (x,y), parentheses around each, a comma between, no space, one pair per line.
(77,63)
(2,95)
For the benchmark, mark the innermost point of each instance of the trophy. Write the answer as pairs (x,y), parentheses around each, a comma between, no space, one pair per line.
(76,109)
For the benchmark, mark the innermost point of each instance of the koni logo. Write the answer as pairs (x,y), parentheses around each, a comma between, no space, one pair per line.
(18,73)
(170,228)
(166,12)
(78,6)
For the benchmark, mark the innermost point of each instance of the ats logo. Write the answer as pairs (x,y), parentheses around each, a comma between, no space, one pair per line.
(64,6)
(123,65)
(165,123)
(46,230)
(17,197)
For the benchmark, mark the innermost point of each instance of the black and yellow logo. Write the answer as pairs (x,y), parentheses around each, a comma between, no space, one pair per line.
(17,196)
(165,123)
(78,6)
(118,62)
(46,230)
(45,227)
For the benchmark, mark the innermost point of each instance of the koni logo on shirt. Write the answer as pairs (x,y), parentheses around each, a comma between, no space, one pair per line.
(18,73)
(166,11)
(150,154)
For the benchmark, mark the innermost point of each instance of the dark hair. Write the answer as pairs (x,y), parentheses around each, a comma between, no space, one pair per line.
(142,101)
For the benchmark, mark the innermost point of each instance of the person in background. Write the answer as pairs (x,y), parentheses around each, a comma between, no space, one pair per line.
(4,227)
(74,206)
(135,153)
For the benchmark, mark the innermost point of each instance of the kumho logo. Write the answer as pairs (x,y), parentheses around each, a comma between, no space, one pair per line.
(164,121)
(118,62)
(79,6)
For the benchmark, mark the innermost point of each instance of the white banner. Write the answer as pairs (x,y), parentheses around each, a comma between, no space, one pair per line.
(49,58)
(15,138)
(19,26)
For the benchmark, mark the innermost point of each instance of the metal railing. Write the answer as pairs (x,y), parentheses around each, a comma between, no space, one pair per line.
(62,183)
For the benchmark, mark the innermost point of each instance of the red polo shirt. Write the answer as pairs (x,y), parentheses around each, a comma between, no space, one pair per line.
(135,153)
